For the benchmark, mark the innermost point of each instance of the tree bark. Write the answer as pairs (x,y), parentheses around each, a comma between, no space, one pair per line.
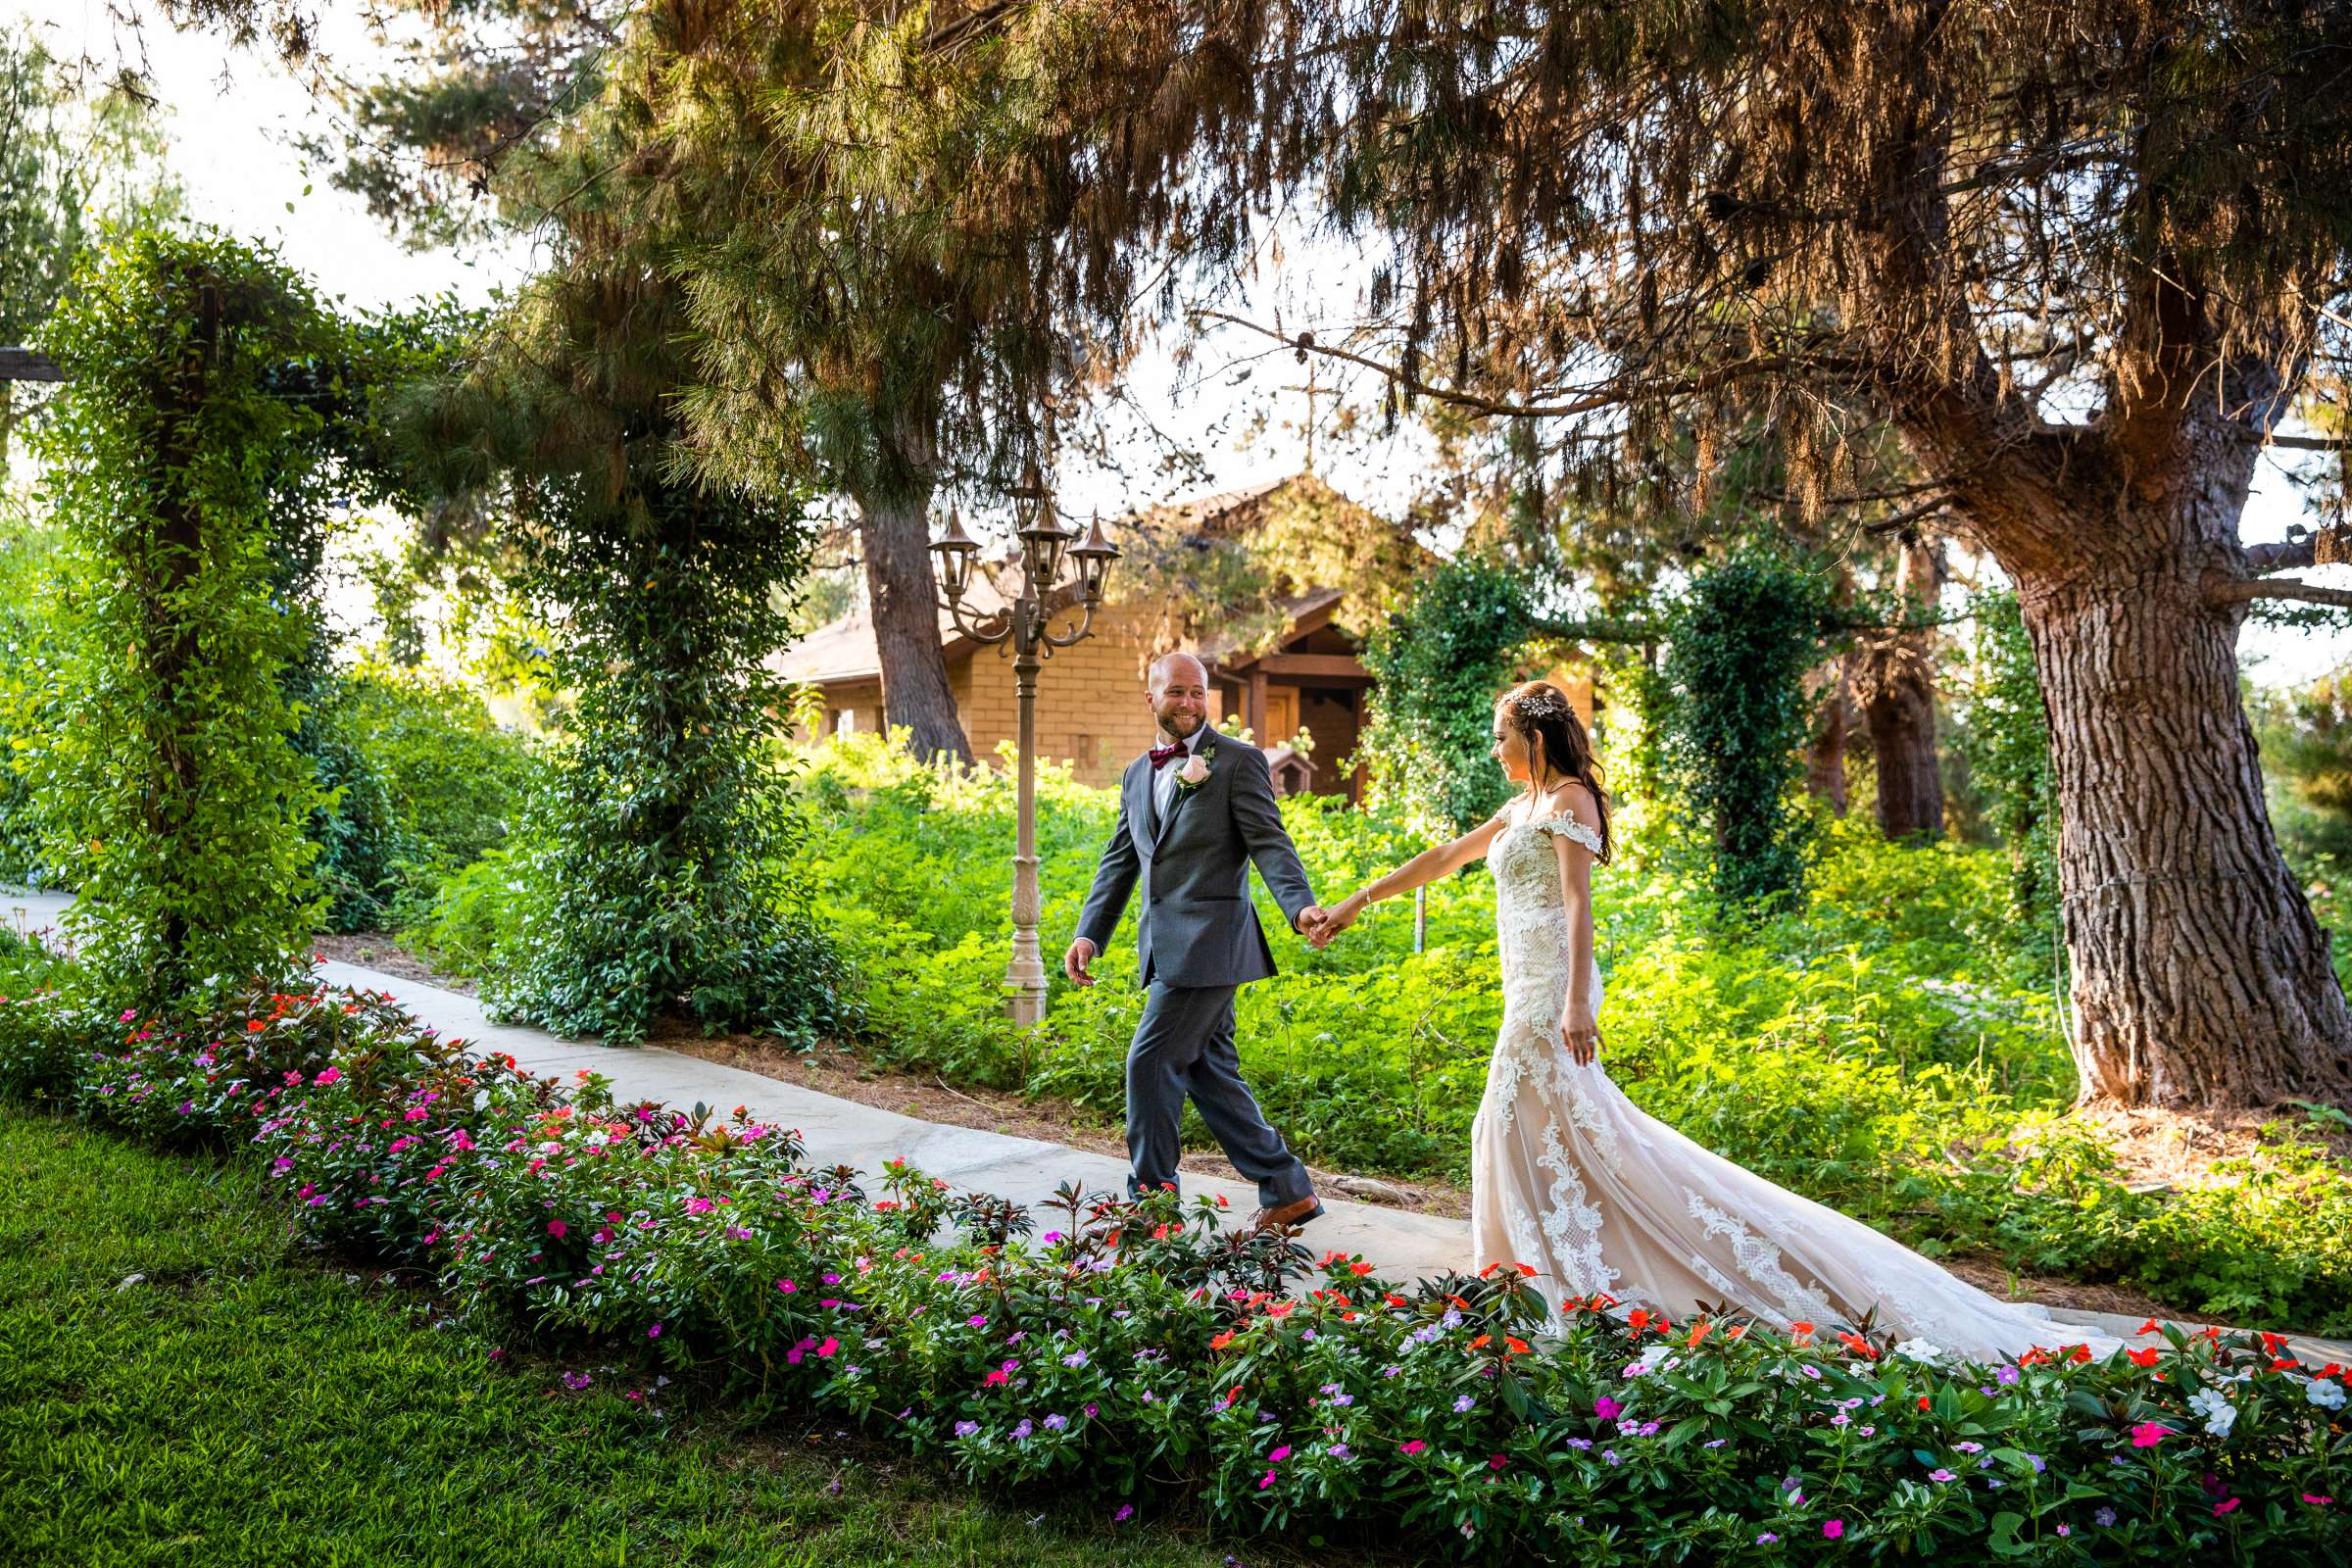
(902,597)
(1825,753)
(2201,979)
(1895,684)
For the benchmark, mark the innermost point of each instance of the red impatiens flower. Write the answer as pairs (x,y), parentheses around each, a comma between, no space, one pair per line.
(2143,1357)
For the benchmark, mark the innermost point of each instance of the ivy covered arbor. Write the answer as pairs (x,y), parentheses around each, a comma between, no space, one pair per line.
(209,404)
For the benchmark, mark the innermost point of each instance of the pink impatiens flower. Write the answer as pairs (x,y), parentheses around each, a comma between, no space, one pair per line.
(1606,1408)
(2148,1434)
(1414,1446)
(556,1227)
(1833,1528)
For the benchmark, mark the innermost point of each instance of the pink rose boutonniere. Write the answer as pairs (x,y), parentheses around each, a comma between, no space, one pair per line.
(1194,771)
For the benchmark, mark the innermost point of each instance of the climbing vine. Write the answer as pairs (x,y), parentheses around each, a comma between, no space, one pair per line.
(166,783)
(1441,661)
(1740,641)
(657,860)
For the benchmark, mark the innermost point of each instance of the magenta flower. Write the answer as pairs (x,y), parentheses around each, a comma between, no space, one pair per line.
(654,1333)
(556,1227)
(1279,1454)
(2148,1434)
(1414,1446)
(1125,1513)
(1606,1408)
(330,1075)
(786,1286)
(1833,1528)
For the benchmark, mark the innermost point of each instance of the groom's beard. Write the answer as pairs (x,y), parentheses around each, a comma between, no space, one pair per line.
(1180,726)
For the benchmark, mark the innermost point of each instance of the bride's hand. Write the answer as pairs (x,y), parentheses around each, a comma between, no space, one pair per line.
(1580,1032)
(1342,913)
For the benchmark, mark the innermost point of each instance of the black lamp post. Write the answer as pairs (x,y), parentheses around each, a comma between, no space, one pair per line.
(1045,548)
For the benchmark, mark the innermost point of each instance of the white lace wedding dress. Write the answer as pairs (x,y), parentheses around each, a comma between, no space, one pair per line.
(1571,1178)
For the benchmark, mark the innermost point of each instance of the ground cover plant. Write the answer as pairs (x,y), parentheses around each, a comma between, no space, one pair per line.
(1893,1046)
(182,1381)
(1133,1354)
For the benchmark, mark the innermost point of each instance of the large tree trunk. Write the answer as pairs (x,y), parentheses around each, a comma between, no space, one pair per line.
(902,596)
(1895,684)
(2201,979)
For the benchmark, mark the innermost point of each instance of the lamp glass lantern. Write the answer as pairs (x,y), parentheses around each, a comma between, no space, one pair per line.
(956,550)
(1093,556)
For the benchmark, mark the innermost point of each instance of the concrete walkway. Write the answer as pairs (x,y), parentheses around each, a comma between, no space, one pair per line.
(843,1132)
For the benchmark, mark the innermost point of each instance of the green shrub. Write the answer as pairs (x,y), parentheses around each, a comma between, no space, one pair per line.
(1892,1046)
(1134,1347)
(422,758)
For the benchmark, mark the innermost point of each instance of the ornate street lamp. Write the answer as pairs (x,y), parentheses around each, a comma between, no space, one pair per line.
(1046,547)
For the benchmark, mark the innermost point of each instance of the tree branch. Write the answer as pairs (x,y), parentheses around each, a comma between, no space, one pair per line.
(2240,590)
(1612,394)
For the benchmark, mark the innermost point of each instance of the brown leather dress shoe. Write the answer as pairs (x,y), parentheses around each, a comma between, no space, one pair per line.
(1299,1213)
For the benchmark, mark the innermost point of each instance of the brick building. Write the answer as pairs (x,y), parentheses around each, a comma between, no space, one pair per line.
(1306,678)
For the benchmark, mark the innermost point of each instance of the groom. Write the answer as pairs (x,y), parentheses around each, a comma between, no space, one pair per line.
(1193,813)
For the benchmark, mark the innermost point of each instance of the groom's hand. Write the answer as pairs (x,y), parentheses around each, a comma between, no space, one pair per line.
(1074,963)
(1314,925)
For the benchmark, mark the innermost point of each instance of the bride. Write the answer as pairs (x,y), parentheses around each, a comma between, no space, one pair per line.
(1569,1177)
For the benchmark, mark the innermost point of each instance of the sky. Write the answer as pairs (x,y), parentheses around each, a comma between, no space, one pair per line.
(231,115)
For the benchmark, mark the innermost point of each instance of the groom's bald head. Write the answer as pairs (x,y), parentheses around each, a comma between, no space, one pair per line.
(1167,665)
(1176,689)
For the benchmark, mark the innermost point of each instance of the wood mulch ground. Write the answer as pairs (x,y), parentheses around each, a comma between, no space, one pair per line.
(2156,1146)
(376,949)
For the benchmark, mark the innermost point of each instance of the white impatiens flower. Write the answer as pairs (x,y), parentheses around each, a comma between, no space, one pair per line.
(2215,1406)
(1923,1351)
(2326,1392)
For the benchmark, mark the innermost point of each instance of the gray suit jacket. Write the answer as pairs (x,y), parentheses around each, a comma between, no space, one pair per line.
(1196,925)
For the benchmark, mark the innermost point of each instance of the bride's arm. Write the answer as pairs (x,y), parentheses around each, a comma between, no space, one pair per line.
(1425,867)
(1580,1030)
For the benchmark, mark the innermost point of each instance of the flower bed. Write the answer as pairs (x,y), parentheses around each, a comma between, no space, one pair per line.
(1143,1351)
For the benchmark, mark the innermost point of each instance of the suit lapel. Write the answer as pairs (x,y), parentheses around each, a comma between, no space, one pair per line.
(1138,805)
(1207,753)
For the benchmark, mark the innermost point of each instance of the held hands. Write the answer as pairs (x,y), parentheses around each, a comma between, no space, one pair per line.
(1074,963)
(1581,1034)
(1319,925)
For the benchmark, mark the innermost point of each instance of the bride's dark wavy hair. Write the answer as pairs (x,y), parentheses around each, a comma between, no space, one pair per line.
(1546,720)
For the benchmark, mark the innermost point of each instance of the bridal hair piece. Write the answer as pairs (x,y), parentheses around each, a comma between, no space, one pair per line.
(1547,722)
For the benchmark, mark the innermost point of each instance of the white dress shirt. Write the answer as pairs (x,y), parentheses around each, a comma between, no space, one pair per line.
(1163,782)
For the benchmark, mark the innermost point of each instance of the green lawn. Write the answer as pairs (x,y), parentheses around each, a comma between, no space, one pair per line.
(243,1403)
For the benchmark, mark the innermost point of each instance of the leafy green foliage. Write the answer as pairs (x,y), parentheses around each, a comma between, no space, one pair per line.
(2007,743)
(2306,740)
(178,1315)
(654,861)
(1442,661)
(433,784)
(166,781)
(1132,1344)
(1741,642)
(1891,1045)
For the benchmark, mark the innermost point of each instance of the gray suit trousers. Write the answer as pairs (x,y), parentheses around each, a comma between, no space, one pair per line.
(1184,1045)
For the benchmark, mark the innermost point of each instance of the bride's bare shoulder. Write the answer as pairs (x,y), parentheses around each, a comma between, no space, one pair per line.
(1572,799)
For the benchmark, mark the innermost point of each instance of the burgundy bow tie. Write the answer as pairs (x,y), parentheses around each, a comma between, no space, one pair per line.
(1162,756)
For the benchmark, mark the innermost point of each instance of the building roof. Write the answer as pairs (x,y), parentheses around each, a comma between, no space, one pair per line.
(844,650)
